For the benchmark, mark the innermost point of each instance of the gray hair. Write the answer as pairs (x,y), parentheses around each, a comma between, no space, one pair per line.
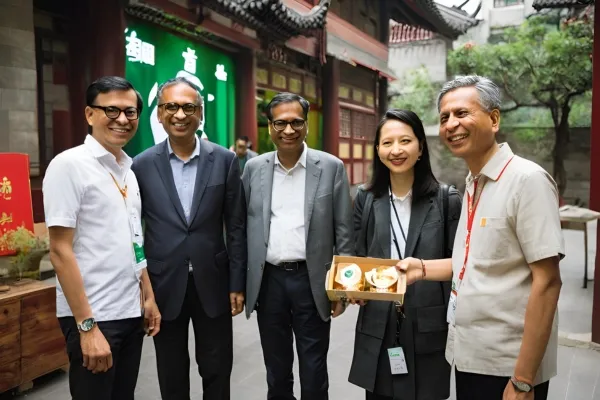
(489,92)
(178,80)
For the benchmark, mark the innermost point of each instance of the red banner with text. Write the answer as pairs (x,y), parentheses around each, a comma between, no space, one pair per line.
(16,209)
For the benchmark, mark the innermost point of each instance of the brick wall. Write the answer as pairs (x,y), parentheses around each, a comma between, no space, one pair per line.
(531,143)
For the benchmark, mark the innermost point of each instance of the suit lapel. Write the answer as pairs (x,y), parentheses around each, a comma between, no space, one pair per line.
(313,175)
(166,174)
(381,208)
(205,165)
(419,210)
(266,184)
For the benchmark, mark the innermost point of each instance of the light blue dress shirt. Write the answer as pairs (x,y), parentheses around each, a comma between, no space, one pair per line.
(184,175)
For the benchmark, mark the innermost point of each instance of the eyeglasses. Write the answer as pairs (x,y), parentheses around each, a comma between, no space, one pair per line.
(173,108)
(112,112)
(296,124)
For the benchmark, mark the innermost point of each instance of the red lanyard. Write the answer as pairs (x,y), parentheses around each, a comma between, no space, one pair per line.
(473,202)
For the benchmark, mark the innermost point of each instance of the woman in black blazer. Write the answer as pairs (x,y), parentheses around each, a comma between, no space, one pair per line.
(404,212)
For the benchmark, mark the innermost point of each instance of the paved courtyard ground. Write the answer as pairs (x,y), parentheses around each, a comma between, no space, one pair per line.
(579,362)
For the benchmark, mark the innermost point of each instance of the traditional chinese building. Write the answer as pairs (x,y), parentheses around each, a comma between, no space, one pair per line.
(333,52)
(595,143)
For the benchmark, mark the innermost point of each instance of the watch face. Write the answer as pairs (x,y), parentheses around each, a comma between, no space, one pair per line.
(522,386)
(87,324)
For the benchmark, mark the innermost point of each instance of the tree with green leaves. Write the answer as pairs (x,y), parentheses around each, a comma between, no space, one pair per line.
(415,92)
(538,64)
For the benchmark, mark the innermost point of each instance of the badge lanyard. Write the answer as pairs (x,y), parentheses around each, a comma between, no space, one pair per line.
(400,225)
(138,248)
(472,202)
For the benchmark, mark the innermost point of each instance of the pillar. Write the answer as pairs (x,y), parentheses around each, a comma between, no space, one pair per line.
(595,172)
(18,82)
(331,105)
(245,110)
(383,97)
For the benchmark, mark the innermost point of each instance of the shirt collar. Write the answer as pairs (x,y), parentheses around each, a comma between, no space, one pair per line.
(195,153)
(494,167)
(403,198)
(99,152)
(301,160)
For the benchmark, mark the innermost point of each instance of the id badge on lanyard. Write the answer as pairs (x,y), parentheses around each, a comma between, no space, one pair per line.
(472,204)
(135,228)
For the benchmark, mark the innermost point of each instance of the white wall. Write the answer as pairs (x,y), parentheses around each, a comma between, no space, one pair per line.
(412,55)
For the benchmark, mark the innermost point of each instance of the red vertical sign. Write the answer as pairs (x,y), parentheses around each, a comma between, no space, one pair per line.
(15,197)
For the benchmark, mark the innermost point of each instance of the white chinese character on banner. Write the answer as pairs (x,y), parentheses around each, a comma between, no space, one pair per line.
(190,60)
(134,47)
(220,73)
(147,53)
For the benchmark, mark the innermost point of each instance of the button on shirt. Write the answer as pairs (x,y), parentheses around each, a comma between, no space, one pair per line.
(287,240)
(516,223)
(403,207)
(184,176)
(79,193)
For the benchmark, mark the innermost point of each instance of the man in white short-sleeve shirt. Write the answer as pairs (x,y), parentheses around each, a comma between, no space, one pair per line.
(92,208)
(506,281)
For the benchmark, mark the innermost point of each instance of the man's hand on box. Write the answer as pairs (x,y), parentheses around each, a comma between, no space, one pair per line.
(413,269)
(358,302)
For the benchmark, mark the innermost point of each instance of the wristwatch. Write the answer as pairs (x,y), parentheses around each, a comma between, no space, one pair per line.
(521,386)
(86,325)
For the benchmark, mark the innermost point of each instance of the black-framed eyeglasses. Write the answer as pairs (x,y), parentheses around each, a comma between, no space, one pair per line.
(280,125)
(173,108)
(112,112)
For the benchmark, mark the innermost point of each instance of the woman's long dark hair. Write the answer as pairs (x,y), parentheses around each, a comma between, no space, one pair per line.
(425,182)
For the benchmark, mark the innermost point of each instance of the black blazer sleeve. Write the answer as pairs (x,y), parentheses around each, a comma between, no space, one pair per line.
(235,225)
(360,242)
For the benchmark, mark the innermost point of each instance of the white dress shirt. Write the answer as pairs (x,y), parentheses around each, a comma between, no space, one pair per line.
(80,193)
(403,207)
(287,237)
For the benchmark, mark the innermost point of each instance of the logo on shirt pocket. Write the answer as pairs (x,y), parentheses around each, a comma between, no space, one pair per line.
(491,239)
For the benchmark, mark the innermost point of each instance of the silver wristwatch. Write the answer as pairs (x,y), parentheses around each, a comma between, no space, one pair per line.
(521,386)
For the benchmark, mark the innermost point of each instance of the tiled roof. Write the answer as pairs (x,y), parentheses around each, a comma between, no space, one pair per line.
(272,18)
(540,4)
(450,22)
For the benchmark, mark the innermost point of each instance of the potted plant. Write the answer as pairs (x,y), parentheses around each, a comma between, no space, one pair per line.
(29,251)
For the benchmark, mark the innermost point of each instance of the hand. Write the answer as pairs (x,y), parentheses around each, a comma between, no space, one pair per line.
(237,302)
(97,356)
(152,317)
(338,308)
(413,269)
(510,393)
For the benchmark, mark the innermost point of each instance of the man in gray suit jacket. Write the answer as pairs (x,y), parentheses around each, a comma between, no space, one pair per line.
(299,213)
(191,190)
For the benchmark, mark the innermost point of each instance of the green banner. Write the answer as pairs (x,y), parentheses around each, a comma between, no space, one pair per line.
(154,56)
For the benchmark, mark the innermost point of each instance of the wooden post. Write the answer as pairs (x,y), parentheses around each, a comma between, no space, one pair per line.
(595,172)
(331,106)
(245,110)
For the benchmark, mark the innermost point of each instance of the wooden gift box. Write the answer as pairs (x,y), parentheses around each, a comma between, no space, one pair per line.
(335,291)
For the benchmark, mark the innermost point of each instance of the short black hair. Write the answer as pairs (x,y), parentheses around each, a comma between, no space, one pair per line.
(244,138)
(108,84)
(425,182)
(286,97)
(175,81)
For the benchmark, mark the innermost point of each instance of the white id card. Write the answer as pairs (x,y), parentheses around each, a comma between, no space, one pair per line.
(397,361)
(451,314)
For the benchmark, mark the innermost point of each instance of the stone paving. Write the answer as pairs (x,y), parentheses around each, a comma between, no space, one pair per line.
(579,362)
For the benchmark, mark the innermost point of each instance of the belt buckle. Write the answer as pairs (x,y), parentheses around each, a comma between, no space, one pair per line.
(290,266)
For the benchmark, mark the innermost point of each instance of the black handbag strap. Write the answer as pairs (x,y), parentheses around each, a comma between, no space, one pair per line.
(443,195)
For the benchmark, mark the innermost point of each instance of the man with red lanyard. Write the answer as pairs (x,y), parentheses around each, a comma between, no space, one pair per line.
(505,266)
(93,211)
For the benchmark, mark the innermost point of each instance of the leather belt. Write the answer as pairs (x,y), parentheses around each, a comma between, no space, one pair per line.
(289,266)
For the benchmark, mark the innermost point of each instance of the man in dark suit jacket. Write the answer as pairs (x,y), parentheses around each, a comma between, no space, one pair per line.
(191,190)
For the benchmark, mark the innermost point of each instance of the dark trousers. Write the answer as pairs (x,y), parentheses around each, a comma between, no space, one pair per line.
(214,351)
(373,396)
(486,387)
(125,338)
(286,307)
